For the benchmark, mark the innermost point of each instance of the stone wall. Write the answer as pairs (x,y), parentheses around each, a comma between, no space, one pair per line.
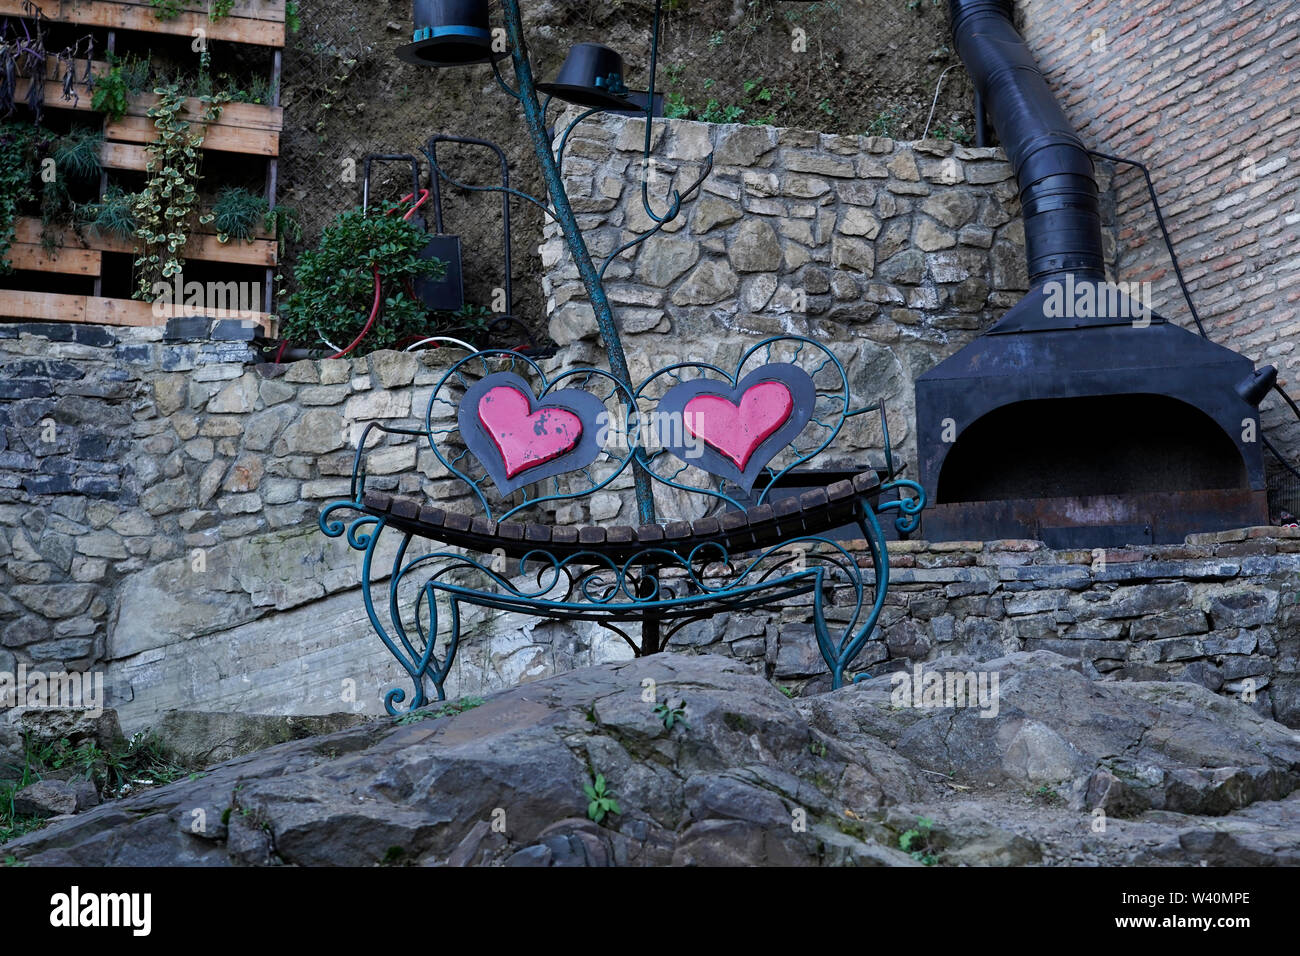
(166,534)
(158,508)
(1203,92)
(1222,611)
(897,254)
(158,500)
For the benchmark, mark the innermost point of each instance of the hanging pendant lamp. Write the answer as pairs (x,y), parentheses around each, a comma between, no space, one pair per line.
(592,76)
(449,33)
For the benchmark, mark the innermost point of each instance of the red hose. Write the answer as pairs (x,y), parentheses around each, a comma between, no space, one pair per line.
(374,309)
(374,313)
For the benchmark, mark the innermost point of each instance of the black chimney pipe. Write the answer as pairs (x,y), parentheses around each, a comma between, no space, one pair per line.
(1081,417)
(1058,191)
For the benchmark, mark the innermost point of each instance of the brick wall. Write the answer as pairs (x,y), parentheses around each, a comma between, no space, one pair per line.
(1206,93)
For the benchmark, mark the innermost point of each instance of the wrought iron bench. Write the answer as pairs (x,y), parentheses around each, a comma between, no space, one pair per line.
(708,446)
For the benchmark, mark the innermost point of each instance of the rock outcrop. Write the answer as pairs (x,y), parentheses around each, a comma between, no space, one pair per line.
(1068,770)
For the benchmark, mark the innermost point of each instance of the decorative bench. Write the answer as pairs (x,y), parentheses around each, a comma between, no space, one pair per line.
(709,447)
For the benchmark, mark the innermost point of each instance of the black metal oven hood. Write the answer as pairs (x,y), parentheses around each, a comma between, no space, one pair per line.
(1081,418)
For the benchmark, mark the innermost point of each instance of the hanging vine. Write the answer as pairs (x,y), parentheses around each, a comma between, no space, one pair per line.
(164,210)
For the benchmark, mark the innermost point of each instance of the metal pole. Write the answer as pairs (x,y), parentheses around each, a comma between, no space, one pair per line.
(564,215)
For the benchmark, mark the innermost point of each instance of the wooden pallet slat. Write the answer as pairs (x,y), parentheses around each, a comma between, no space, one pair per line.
(98,310)
(105,311)
(244,116)
(124,156)
(259,30)
(42,306)
(216,137)
(203,247)
(32,257)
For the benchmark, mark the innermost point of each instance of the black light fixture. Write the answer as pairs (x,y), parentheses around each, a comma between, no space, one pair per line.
(449,33)
(592,76)
(1255,386)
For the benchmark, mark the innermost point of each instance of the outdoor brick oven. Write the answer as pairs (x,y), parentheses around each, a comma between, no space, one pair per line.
(1081,418)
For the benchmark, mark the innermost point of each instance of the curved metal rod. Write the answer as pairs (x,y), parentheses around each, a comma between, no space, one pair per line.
(880,559)
(660,222)
(564,138)
(495,189)
(501,80)
(678,198)
(367,543)
(909,509)
(839,396)
(358,487)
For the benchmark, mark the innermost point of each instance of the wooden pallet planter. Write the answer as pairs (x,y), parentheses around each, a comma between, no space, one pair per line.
(202,247)
(256,22)
(248,129)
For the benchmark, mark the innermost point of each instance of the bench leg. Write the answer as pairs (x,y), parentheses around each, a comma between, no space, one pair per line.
(651,624)
(650,635)
(839,651)
(415,653)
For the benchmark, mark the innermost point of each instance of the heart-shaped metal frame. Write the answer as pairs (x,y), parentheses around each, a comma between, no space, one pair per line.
(670,418)
(586,406)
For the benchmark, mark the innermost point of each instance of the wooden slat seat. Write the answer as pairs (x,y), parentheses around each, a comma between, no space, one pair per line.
(814,512)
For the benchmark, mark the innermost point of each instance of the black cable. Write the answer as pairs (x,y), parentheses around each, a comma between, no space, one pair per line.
(1278,455)
(1182,283)
(1169,243)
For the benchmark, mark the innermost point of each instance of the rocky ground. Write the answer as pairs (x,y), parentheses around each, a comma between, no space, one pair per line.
(1069,771)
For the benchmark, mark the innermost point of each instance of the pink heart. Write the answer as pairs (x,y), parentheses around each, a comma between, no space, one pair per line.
(526,439)
(737,431)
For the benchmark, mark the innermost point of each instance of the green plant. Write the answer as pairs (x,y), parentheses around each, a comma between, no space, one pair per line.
(916,842)
(282,222)
(237,213)
(165,207)
(885,123)
(292,20)
(12,824)
(714,112)
(672,715)
(166,9)
(111,96)
(18,144)
(601,799)
(115,771)
(954,132)
(142,760)
(470,322)
(77,154)
(220,8)
(1047,795)
(335,284)
(113,216)
(137,72)
(446,710)
(675,106)
(757,92)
